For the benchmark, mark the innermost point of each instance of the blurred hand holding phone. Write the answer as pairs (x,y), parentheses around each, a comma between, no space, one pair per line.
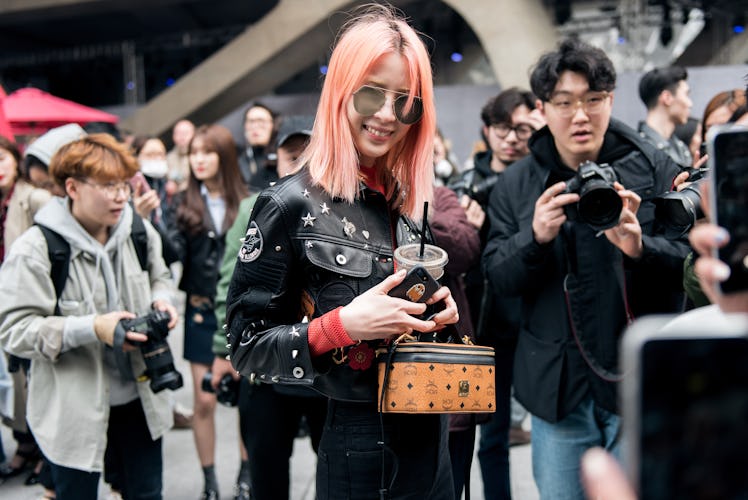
(685,405)
(139,184)
(728,157)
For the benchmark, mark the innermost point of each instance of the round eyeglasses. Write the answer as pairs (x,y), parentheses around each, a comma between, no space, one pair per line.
(369,99)
(111,189)
(566,105)
(522,131)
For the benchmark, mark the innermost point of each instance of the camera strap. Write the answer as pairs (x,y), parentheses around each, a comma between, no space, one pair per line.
(121,358)
(570,286)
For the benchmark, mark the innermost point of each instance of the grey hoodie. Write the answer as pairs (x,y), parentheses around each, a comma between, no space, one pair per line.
(72,386)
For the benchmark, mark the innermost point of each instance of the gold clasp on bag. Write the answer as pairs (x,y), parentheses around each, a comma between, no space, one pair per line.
(464,389)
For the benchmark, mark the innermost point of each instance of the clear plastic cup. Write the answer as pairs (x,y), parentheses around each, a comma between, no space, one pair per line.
(433,259)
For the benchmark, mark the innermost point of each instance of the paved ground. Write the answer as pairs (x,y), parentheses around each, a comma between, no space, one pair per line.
(183,479)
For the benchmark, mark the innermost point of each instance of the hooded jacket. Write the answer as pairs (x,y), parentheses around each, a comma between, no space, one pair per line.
(71,384)
(550,375)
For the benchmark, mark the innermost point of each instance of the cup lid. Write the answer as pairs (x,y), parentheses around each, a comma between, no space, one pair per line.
(433,256)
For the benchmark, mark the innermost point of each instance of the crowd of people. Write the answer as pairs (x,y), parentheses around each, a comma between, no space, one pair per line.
(283,248)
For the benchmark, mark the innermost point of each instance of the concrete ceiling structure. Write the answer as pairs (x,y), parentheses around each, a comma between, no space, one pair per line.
(238,50)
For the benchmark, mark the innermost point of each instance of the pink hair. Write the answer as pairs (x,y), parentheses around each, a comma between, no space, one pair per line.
(332,156)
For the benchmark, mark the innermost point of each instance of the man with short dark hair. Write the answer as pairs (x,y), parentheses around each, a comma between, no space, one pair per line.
(579,284)
(509,120)
(665,93)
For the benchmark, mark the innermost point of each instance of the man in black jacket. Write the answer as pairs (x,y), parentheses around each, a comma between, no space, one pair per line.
(509,119)
(579,284)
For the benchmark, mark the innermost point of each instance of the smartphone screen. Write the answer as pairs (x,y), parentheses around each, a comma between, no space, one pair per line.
(729,157)
(686,422)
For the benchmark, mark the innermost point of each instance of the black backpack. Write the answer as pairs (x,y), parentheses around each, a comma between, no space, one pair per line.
(58,250)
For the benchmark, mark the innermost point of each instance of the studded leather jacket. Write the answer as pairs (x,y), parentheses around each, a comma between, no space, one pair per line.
(304,254)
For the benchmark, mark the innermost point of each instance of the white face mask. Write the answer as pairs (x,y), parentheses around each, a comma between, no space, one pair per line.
(156,169)
(443,169)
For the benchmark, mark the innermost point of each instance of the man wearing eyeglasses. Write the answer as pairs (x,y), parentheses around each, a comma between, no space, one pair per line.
(509,119)
(579,285)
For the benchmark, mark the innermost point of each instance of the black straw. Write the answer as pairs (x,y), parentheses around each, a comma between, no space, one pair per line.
(423,229)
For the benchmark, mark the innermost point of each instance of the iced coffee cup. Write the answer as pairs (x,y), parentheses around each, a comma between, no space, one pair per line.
(434,259)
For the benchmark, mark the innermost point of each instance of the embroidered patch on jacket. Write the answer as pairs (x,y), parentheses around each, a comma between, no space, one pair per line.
(252,246)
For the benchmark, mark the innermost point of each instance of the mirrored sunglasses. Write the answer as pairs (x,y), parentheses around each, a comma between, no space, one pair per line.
(369,99)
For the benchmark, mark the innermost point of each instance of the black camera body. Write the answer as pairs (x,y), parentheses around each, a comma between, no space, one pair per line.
(159,362)
(679,210)
(227,392)
(599,205)
(478,190)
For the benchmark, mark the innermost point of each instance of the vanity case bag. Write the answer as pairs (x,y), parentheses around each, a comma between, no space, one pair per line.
(435,377)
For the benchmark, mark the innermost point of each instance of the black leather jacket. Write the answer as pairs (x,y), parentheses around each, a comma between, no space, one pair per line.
(305,254)
(201,255)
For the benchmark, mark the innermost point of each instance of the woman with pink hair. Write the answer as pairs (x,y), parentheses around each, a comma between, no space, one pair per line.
(319,245)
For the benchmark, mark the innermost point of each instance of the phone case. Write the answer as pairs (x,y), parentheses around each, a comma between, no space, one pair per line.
(728,157)
(648,389)
(417,286)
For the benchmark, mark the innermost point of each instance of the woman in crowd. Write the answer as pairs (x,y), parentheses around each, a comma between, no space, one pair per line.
(258,161)
(320,244)
(150,152)
(84,395)
(19,202)
(203,213)
(720,108)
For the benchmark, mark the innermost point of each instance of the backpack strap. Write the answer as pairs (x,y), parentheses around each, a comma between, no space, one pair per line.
(139,238)
(58,250)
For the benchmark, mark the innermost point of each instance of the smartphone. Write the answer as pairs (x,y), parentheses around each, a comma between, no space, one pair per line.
(139,181)
(685,409)
(417,286)
(728,155)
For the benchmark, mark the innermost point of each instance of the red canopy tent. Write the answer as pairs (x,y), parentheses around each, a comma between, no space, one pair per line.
(33,111)
(5,129)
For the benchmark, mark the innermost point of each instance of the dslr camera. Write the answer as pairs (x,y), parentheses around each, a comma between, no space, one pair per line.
(599,205)
(159,362)
(478,191)
(679,210)
(227,392)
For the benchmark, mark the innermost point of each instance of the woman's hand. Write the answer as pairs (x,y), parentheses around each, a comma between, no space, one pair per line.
(219,369)
(146,202)
(376,315)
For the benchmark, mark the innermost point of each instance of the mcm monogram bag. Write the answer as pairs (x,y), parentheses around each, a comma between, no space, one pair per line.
(435,377)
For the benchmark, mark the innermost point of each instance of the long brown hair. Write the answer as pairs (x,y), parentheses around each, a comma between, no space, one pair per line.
(192,213)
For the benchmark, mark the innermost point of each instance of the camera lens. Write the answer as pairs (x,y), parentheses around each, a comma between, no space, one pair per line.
(679,209)
(599,205)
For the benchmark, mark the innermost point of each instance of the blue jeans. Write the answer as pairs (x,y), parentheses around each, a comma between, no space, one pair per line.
(493,451)
(558,448)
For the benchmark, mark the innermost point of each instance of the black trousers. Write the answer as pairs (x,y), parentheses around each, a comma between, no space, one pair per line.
(269,422)
(414,465)
(133,457)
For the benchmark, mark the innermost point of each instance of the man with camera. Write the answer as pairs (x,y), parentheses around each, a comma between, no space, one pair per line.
(91,390)
(509,119)
(583,260)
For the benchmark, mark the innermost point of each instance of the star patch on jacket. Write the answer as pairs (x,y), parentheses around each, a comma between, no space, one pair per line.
(252,244)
